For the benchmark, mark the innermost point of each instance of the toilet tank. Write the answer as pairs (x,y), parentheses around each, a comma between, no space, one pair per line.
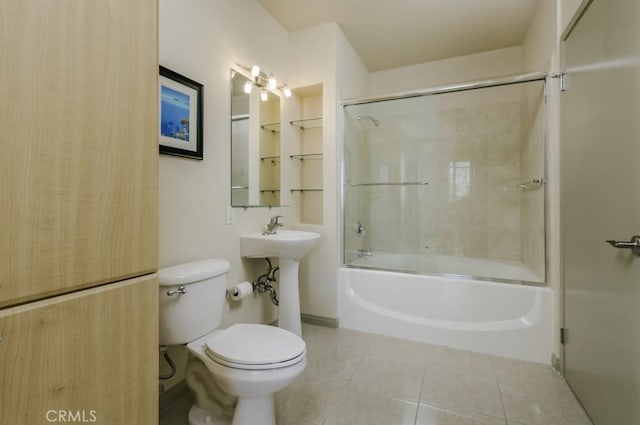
(187,316)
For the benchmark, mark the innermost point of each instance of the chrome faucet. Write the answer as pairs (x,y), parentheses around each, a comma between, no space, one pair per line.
(273,225)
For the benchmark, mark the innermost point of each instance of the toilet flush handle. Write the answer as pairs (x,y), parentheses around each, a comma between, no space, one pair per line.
(181,290)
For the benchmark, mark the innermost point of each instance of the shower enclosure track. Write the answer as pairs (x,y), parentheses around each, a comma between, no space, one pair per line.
(470,85)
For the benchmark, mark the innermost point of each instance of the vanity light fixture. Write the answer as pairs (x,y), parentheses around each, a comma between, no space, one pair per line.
(262,81)
(247,87)
(272,83)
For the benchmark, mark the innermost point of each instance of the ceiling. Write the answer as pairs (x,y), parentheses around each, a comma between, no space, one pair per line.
(395,33)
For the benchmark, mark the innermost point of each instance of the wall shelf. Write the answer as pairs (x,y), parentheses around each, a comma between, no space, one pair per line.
(305,190)
(273,159)
(304,156)
(273,127)
(269,190)
(307,124)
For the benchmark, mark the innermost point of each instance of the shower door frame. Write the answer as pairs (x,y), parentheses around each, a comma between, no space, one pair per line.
(453,88)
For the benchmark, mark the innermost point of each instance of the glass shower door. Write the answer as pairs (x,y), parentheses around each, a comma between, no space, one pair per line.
(451,183)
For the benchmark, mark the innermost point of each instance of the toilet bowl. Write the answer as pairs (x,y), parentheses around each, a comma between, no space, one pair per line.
(247,361)
(251,362)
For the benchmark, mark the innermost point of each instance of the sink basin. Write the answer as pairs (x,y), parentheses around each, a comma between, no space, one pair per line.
(291,244)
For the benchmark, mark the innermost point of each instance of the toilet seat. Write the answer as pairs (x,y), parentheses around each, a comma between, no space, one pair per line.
(255,347)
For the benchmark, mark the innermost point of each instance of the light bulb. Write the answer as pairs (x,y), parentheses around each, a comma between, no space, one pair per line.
(272,83)
(247,87)
(255,71)
(286,90)
(263,95)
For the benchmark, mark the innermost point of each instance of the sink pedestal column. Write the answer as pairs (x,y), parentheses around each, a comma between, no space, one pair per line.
(289,308)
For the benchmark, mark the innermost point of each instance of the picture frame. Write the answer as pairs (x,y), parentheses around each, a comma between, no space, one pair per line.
(180,109)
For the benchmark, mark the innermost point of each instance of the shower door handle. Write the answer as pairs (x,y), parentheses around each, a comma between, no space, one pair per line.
(633,245)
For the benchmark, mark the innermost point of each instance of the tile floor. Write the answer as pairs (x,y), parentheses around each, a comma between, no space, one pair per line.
(356,378)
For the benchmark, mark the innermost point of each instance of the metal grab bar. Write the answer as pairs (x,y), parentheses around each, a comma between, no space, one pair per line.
(531,184)
(239,187)
(391,184)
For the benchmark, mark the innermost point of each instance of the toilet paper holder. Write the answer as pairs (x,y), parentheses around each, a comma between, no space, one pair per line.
(261,285)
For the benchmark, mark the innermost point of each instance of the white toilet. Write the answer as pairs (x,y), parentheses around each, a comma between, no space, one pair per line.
(250,362)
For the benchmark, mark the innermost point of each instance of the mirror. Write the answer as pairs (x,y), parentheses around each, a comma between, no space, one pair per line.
(255,145)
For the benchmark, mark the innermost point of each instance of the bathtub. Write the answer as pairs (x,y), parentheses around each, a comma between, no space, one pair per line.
(509,320)
(500,270)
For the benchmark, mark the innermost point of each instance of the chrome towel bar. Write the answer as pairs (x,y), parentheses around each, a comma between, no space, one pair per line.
(391,184)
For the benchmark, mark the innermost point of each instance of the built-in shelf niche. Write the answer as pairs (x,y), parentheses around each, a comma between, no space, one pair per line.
(306,154)
(270,151)
(273,127)
(273,159)
(307,123)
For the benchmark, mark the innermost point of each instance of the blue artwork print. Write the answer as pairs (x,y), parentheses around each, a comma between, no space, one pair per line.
(174,119)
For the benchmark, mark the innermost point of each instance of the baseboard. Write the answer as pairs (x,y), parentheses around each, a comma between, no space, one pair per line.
(327,322)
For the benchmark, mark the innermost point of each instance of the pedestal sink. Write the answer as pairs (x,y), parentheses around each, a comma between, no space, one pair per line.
(289,246)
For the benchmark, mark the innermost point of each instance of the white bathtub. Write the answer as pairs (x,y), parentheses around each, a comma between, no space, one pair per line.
(447,264)
(502,319)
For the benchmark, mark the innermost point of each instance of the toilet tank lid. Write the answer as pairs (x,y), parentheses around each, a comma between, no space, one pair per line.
(184,274)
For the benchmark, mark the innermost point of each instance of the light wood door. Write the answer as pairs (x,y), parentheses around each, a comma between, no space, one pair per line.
(94,351)
(78,144)
(601,201)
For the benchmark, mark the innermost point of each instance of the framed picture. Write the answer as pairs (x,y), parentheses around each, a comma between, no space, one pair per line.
(180,115)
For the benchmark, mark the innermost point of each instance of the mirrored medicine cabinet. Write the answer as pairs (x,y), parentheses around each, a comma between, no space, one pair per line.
(255,144)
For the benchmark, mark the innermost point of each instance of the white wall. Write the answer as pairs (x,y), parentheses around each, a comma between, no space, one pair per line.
(540,41)
(322,55)
(567,10)
(202,39)
(352,74)
(432,74)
